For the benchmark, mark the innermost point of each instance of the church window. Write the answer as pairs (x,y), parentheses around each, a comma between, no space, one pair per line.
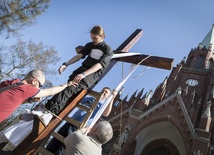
(200,62)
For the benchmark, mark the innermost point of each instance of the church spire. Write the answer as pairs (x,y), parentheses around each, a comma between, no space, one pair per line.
(208,41)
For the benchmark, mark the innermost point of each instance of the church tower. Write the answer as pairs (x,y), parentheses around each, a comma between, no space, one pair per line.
(177,119)
(195,77)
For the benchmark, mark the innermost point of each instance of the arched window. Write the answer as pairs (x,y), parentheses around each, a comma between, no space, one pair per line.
(200,61)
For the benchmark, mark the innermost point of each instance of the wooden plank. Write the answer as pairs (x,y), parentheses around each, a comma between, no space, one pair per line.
(38,125)
(58,136)
(94,94)
(93,107)
(152,61)
(38,128)
(43,151)
(40,140)
(82,107)
(73,121)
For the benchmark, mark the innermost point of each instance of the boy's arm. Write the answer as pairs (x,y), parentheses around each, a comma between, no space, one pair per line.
(109,107)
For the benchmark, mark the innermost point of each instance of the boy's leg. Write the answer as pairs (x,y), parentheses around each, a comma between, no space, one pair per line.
(58,101)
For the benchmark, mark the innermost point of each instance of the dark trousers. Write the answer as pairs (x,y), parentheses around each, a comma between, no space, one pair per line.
(55,146)
(58,101)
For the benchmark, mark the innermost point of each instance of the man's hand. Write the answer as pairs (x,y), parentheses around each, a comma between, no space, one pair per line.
(85,130)
(62,68)
(78,77)
(114,93)
(34,99)
(72,83)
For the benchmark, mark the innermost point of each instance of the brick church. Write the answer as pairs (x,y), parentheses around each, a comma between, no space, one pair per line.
(174,119)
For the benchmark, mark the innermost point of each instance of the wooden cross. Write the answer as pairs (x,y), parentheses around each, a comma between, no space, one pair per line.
(41,133)
(152,61)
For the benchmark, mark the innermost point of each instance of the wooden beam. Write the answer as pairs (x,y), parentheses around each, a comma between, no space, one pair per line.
(38,128)
(152,61)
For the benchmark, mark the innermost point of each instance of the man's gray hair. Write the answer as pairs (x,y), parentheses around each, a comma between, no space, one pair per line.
(104,132)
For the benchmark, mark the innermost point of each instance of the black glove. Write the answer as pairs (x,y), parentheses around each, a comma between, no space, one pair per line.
(26,117)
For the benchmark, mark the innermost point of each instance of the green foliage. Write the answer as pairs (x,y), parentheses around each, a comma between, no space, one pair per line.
(14,14)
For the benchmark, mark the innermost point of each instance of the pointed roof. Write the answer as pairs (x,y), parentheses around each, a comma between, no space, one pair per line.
(183,110)
(209,39)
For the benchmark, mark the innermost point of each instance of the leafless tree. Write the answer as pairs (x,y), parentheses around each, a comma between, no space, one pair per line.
(20,58)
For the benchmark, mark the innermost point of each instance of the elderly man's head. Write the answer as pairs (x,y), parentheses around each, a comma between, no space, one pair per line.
(102,131)
(36,78)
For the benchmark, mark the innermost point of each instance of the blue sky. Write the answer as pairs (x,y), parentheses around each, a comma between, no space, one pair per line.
(170,29)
